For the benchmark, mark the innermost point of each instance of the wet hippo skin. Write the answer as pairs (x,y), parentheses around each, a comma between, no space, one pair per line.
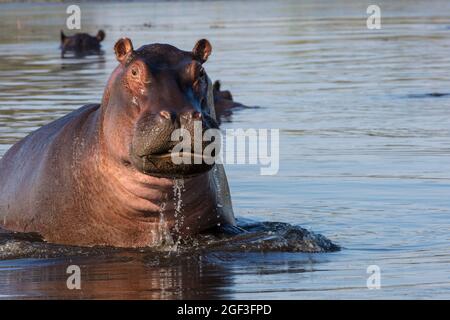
(97,175)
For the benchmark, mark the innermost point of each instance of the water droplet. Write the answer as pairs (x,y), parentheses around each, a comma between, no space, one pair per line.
(178,188)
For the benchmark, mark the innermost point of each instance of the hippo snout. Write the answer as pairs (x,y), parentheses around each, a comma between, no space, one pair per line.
(153,134)
(152,141)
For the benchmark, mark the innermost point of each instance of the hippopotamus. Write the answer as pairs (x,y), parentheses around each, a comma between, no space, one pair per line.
(224,102)
(81,43)
(100,176)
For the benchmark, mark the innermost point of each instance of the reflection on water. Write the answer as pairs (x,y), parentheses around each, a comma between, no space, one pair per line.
(109,278)
(364,140)
(122,277)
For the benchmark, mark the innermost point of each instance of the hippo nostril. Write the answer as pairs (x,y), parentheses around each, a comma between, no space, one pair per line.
(165,115)
(196,116)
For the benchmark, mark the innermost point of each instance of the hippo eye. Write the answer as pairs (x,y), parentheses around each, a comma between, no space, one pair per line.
(134,72)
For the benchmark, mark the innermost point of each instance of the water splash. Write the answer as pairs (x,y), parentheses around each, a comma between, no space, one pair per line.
(256,236)
(165,240)
(178,188)
(216,176)
(218,184)
(144,163)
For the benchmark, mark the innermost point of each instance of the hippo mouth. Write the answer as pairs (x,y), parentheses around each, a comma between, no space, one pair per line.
(193,156)
(162,164)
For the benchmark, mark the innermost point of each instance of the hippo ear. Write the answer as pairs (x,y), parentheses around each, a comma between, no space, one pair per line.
(216,86)
(202,50)
(63,36)
(100,35)
(123,49)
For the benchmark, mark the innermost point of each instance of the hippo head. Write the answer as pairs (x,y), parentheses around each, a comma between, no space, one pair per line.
(81,43)
(219,94)
(154,91)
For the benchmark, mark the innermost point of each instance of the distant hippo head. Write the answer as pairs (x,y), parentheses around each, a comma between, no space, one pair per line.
(219,94)
(81,43)
(224,102)
(154,91)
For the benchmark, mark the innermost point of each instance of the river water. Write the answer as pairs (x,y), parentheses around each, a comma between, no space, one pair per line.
(364,135)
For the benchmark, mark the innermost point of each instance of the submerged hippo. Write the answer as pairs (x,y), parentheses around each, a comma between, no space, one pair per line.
(81,43)
(224,102)
(101,175)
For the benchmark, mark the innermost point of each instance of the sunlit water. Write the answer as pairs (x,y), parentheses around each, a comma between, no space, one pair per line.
(365,142)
